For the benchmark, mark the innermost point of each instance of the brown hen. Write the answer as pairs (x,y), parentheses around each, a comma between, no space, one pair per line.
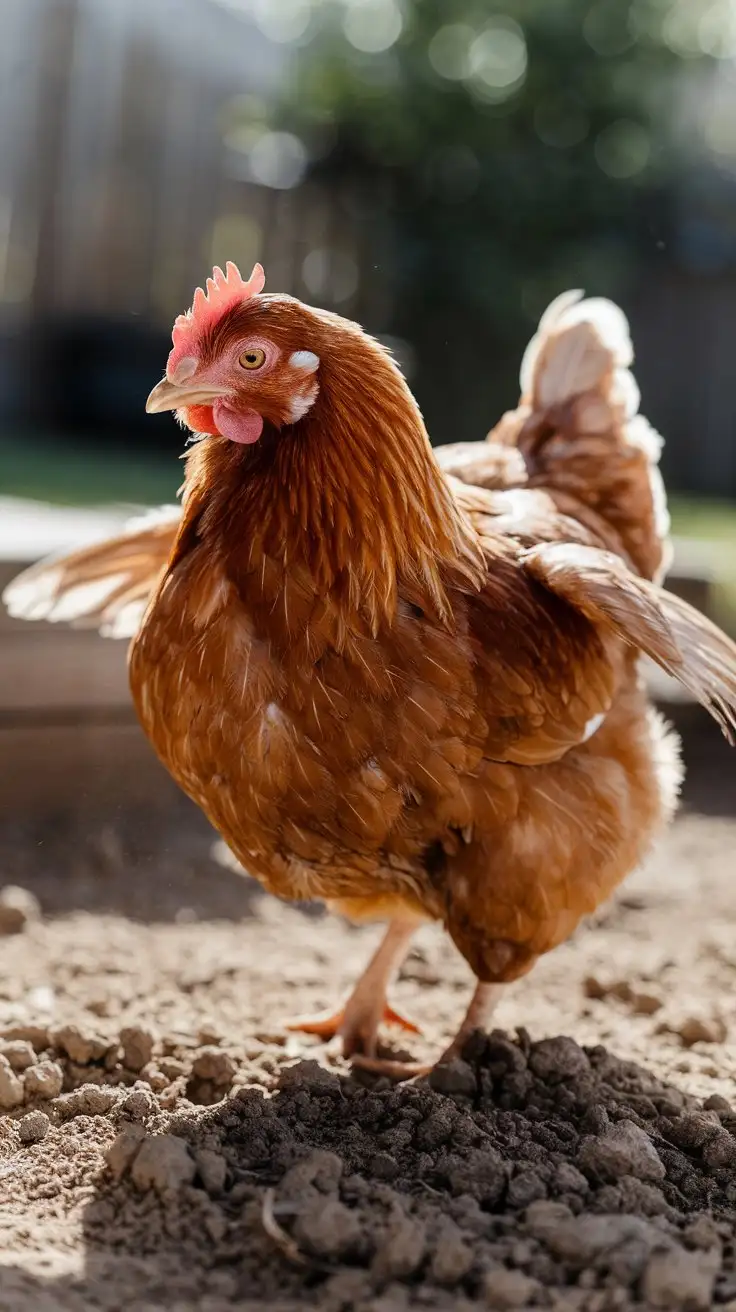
(400,681)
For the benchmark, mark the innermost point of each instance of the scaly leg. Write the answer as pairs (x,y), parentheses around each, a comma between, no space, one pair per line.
(482,1005)
(356,1022)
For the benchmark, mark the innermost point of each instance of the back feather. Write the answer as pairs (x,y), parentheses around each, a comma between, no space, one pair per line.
(482,464)
(106,586)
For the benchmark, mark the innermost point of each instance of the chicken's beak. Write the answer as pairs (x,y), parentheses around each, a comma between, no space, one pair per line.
(169,396)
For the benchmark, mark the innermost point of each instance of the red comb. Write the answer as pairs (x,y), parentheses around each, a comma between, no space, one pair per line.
(223,291)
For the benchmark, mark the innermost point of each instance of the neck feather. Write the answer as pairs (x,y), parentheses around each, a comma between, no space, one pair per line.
(352,491)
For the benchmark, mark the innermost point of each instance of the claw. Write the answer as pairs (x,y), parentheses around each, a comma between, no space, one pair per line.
(325,1024)
(393,1017)
(356,1023)
(329,1024)
(393,1070)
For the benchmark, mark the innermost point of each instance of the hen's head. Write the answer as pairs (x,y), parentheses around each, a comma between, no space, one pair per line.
(240,358)
(349,485)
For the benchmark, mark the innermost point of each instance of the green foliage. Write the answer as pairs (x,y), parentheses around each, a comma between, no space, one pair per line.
(493,187)
(496,153)
(78,475)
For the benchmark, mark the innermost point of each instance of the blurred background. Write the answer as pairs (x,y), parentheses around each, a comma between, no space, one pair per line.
(438,169)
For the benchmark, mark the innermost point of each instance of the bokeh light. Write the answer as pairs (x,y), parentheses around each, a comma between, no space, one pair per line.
(372,25)
(278,159)
(330,275)
(449,51)
(719,132)
(282,20)
(717,32)
(623,149)
(497,59)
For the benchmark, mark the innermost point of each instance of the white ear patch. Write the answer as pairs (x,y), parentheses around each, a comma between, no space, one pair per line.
(305,360)
(303,402)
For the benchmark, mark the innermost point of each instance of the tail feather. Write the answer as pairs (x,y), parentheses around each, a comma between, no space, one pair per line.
(580,431)
(581,340)
(106,586)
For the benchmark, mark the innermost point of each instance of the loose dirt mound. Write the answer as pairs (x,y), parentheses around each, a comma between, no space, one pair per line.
(163,1144)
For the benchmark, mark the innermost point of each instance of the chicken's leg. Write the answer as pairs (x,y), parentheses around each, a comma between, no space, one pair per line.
(356,1022)
(482,1005)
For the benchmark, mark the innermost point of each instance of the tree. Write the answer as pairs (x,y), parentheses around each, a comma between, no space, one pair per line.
(491,154)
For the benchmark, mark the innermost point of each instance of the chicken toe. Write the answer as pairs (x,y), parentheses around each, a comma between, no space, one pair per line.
(477,1016)
(356,1023)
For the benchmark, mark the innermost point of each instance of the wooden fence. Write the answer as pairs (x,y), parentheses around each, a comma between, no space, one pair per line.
(68,734)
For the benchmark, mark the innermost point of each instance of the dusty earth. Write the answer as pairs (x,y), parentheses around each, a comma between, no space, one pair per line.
(163,1144)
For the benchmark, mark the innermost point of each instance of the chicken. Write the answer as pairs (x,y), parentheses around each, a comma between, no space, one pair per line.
(401,681)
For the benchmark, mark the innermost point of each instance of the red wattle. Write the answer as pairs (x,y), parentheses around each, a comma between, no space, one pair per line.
(244,426)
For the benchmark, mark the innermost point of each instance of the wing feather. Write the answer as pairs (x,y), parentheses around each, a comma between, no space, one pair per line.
(106,586)
(682,641)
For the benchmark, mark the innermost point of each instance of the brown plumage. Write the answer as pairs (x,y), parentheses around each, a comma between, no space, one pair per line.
(401,681)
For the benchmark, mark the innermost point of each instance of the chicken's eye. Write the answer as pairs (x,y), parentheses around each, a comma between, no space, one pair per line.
(252,359)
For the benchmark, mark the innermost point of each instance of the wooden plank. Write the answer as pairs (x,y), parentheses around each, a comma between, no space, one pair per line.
(52,769)
(61,668)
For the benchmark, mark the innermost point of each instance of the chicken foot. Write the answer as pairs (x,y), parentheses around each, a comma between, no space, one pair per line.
(480,1010)
(357,1021)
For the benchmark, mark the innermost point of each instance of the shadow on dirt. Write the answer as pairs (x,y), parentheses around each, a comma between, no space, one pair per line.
(529,1175)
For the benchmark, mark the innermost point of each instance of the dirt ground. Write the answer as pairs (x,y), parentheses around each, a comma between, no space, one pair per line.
(163,1144)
